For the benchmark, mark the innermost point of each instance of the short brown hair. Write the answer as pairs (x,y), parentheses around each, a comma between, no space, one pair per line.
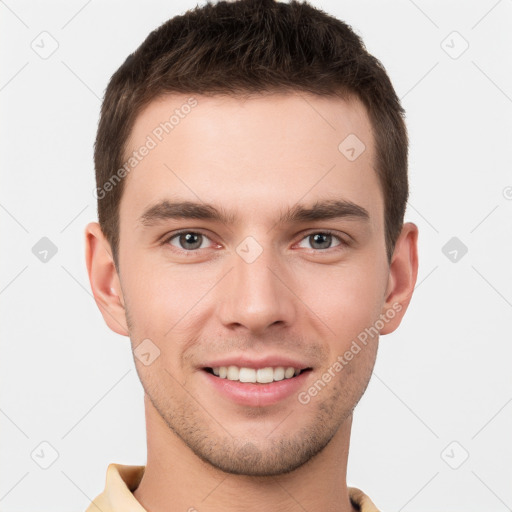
(245,47)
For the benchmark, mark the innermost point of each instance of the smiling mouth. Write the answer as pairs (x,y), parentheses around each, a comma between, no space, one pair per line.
(265,375)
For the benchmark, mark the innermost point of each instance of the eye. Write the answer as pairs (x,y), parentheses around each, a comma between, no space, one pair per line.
(191,241)
(187,240)
(322,240)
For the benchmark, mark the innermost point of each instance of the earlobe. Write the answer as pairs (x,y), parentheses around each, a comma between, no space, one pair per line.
(104,280)
(403,273)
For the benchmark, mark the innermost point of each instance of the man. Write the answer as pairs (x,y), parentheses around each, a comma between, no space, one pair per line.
(251,166)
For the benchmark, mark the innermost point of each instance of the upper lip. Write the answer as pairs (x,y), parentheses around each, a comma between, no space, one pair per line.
(244,361)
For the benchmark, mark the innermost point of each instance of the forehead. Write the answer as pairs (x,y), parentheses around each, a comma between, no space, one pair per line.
(251,155)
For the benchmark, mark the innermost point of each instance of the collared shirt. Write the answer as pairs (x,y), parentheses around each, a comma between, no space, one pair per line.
(122,480)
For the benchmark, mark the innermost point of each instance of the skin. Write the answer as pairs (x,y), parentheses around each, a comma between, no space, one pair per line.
(255,157)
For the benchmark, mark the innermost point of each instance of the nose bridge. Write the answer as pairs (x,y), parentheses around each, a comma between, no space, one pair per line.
(255,296)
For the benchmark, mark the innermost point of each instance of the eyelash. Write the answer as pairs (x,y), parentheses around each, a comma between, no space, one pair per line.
(342,245)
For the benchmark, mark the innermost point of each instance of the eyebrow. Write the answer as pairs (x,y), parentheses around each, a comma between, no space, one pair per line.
(321,210)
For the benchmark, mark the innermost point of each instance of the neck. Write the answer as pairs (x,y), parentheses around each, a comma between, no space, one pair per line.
(175,476)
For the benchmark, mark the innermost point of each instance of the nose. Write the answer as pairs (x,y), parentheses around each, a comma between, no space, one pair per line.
(257,294)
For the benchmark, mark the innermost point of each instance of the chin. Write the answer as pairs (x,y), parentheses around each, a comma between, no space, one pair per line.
(276,457)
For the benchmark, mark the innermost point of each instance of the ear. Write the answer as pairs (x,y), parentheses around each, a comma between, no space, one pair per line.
(105,284)
(403,272)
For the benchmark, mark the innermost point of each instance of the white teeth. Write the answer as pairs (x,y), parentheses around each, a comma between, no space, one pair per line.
(279,373)
(289,372)
(233,372)
(261,375)
(265,375)
(247,375)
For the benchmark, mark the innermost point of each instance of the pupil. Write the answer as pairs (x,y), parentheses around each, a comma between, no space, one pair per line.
(189,238)
(325,242)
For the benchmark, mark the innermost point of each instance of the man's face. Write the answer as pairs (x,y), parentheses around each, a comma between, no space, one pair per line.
(260,290)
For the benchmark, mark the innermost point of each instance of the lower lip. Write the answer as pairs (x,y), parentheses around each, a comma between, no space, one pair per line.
(256,395)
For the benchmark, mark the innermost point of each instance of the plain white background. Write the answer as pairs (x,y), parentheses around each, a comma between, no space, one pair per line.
(433,429)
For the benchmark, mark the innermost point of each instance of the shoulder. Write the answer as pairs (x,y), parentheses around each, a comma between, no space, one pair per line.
(361,501)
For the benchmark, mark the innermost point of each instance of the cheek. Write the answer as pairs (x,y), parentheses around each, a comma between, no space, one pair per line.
(347,299)
(165,299)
